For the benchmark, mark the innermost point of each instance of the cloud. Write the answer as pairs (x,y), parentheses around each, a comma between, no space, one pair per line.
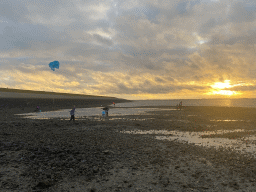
(242,11)
(25,36)
(102,40)
(14,10)
(128,48)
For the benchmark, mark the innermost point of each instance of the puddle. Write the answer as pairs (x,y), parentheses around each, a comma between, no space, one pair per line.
(80,113)
(140,119)
(211,126)
(243,145)
(183,121)
(226,120)
(99,118)
(116,119)
(221,131)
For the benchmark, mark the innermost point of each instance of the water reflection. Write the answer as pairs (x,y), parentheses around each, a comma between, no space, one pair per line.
(88,112)
(227,120)
(180,120)
(243,145)
(93,112)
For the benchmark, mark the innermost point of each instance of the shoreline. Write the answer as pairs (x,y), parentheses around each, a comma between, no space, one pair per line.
(88,155)
(26,105)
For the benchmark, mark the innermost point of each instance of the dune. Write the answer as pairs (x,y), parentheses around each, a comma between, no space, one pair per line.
(19,93)
(25,101)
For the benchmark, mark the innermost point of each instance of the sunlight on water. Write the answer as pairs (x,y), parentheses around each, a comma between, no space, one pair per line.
(193,102)
(227,120)
(183,121)
(242,145)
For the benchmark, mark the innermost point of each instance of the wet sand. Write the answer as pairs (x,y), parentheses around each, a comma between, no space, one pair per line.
(94,155)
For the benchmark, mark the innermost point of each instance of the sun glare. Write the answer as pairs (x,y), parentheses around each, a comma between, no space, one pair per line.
(219,85)
(224,92)
(218,89)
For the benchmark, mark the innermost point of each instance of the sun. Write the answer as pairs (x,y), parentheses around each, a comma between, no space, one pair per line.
(220,85)
(221,88)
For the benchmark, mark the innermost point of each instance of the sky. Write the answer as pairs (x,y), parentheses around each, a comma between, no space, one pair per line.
(147,49)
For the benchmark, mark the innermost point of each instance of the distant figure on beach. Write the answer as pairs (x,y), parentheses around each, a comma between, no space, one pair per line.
(180,105)
(106,111)
(114,104)
(37,109)
(72,113)
(103,113)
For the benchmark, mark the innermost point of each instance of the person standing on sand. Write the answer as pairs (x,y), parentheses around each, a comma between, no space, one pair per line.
(180,105)
(37,109)
(72,113)
(106,111)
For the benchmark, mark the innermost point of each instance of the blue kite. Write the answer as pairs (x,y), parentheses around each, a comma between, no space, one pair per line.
(54,65)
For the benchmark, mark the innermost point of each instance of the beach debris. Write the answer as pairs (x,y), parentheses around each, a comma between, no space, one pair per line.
(54,65)
(44,184)
(2,154)
(107,152)
(95,169)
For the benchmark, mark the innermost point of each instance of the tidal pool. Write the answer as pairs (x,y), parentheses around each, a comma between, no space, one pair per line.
(88,112)
(243,145)
(226,120)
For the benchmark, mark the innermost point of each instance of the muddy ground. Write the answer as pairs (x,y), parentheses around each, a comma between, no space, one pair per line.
(93,155)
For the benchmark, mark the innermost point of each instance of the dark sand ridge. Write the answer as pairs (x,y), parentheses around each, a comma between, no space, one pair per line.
(19,93)
(55,155)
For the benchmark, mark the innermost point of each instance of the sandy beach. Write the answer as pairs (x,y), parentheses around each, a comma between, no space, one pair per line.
(101,155)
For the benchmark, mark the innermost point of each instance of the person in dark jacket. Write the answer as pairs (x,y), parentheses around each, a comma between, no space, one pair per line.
(72,113)
(180,105)
(106,111)
(37,109)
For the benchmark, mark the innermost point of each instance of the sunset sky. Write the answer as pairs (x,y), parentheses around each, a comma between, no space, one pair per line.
(132,49)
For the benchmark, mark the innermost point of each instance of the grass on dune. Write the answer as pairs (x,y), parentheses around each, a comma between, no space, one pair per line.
(45,92)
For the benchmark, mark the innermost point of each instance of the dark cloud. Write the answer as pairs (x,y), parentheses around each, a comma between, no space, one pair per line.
(242,12)
(160,80)
(148,12)
(243,88)
(13,10)
(148,88)
(208,25)
(249,39)
(183,8)
(103,40)
(28,36)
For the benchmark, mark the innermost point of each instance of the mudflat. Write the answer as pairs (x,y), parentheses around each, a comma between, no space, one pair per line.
(96,155)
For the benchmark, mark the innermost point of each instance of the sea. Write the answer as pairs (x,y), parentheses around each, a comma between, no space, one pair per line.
(192,102)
